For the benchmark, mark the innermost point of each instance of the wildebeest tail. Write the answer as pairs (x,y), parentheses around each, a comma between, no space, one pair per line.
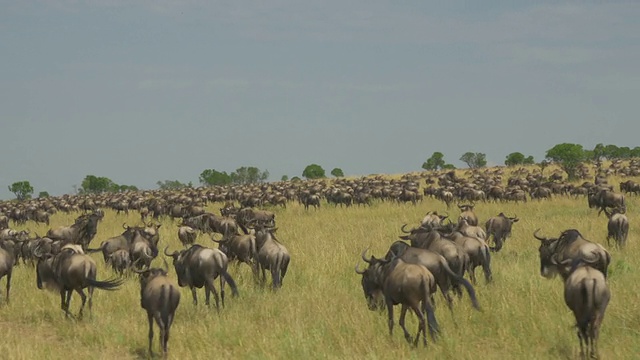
(588,294)
(112,284)
(461,280)
(165,301)
(427,308)
(232,283)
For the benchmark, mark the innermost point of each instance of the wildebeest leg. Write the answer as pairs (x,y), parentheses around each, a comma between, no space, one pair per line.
(472,275)
(67,310)
(8,284)
(422,326)
(390,313)
(84,301)
(209,287)
(403,313)
(163,331)
(275,277)
(195,297)
(90,291)
(150,318)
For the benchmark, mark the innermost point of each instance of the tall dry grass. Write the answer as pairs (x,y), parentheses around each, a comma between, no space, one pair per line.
(320,312)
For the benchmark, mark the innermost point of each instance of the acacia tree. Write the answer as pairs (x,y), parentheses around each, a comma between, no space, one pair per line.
(436,162)
(313,171)
(22,189)
(517,158)
(211,177)
(337,172)
(248,175)
(568,157)
(474,160)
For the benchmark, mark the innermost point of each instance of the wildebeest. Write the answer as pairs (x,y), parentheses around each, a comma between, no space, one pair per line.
(587,294)
(70,270)
(605,198)
(468,214)
(477,251)
(200,266)
(436,264)
(7,260)
(272,255)
(500,228)
(409,285)
(242,248)
(556,255)
(81,232)
(433,219)
(120,261)
(617,227)
(160,297)
(187,235)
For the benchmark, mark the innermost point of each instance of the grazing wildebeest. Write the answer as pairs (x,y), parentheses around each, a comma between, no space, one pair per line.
(7,260)
(272,255)
(409,285)
(200,266)
(500,228)
(160,297)
(605,198)
(617,227)
(70,270)
(311,200)
(555,254)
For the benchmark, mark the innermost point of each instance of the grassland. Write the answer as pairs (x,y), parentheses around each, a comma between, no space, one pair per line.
(320,312)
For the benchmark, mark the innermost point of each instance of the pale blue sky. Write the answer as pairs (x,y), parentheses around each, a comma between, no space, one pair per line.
(165,89)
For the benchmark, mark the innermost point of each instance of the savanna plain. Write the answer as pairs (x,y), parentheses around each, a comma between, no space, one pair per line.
(321,313)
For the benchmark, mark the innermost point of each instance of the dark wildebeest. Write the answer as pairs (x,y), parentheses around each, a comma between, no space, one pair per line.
(200,266)
(409,285)
(271,255)
(311,200)
(605,198)
(70,270)
(81,232)
(242,248)
(587,294)
(187,235)
(477,251)
(468,214)
(120,261)
(160,297)
(617,227)
(500,228)
(556,255)
(436,264)
(7,260)
(120,242)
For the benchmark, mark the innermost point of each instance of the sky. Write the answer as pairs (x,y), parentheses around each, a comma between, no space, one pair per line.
(150,90)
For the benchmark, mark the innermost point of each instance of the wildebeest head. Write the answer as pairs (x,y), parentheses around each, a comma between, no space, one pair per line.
(372,281)
(148,274)
(180,263)
(548,268)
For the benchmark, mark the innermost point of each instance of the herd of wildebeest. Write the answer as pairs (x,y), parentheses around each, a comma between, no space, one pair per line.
(435,254)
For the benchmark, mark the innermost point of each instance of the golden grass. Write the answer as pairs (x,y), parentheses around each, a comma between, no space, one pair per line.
(320,313)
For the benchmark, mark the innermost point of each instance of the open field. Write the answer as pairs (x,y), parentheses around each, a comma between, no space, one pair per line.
(320,312)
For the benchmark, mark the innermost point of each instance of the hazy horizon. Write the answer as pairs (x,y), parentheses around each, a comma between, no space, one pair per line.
(159,90)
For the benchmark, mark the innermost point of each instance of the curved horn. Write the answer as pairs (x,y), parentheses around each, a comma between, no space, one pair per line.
(165,266)
(368,261)
(535,235)
(124,226)
(172,254)
(358,271)
(405,231)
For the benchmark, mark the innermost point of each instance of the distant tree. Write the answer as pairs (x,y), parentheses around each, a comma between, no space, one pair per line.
(295,179)
(172,184)
(448,167)
(517,158)
(248,175)
(97,184)
(123,188)
(337,172)
(436,162)
(568,157)
(43,194)
(212,177)
(474,160)
(635,152)
(313,171)
(22,189)
(284,178)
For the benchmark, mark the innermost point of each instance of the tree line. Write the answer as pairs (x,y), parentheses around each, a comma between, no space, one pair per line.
(566,155)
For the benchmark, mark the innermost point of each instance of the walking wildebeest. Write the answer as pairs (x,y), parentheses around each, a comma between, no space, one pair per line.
(70,270)
(409,285)
(199,266)
(500,227)
(570,246)
(160,297)
(617,227)
(7,260)
(272,255)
